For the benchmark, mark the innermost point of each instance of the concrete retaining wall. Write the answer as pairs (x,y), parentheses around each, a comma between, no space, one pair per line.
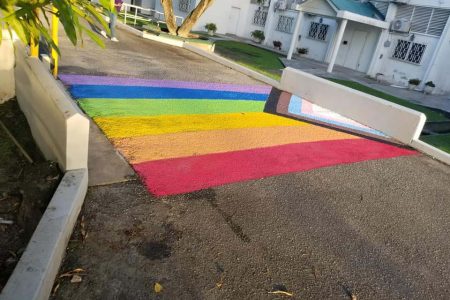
(34,275)
(398,122)
(58,126)
(7,87)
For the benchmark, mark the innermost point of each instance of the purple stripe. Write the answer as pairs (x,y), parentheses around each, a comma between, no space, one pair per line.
(69,79)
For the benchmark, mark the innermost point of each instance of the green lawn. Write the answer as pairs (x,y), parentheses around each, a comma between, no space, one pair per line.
(441,141)
(260,60)
(432,115)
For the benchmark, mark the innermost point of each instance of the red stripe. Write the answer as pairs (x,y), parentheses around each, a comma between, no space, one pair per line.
(183,175)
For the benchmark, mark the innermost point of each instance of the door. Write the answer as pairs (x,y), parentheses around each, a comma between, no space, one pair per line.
(233,20)
(354,54)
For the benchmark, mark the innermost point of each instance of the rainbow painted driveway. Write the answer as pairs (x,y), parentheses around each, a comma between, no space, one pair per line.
(187,136)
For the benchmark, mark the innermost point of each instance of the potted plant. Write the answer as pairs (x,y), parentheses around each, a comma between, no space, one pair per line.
(429,87)
(302,51)
(258,36)
(277,45)
(211,27)
(413,83)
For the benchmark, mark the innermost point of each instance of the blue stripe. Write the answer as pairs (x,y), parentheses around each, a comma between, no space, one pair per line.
(143,92)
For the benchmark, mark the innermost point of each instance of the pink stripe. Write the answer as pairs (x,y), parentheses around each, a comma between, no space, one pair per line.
(69,79)
(183,175)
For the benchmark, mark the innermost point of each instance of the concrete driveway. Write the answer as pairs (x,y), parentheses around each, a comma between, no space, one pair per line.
(375,229)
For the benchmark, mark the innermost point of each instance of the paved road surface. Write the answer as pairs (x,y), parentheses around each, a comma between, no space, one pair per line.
(377,229)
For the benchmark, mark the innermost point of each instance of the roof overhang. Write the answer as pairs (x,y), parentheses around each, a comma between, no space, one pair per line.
(343,14)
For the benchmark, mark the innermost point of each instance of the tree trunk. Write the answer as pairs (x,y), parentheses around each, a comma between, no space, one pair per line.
(169,16)
(193,17)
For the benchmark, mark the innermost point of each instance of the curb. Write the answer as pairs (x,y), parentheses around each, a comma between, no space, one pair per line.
(431,151)
(38,267)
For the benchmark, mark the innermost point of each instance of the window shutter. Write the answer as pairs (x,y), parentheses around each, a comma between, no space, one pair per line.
(438,21)
(421,18)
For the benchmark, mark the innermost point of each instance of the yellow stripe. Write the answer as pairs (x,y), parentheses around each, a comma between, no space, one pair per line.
(118,127)
(183,144)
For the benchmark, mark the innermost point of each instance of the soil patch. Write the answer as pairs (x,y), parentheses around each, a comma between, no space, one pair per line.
(25,188)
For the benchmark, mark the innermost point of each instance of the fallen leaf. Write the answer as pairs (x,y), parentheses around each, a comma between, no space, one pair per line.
(282,293)
(55,289)
(71,273)
(219,284)
(158,287)
(76,279)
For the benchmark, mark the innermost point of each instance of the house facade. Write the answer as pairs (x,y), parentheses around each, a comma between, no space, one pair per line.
(395,40)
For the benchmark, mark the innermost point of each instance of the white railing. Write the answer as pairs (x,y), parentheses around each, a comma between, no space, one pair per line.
(150,15)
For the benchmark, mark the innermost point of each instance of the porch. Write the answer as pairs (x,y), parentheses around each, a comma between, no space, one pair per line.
(352,43)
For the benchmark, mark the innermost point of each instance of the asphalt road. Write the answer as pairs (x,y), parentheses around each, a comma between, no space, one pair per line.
(376,229)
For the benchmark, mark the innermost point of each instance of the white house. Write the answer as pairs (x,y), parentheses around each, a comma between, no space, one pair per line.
(399,40)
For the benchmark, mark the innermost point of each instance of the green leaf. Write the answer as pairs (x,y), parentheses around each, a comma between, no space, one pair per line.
(94,37)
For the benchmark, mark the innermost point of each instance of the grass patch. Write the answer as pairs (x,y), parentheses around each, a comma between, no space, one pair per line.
(441,141)
(432,115)
(260,60)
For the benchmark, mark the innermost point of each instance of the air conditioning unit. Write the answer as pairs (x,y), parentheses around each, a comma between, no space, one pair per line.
(401,25)
(281,5)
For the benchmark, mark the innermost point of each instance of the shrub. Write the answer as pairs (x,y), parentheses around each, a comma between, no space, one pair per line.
(277,44)
(258,34)
(430,84)
(211,27)
(414,81)
(302,50)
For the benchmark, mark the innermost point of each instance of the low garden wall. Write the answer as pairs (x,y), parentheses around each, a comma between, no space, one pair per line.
(58,126)
(61,131)
(398,122)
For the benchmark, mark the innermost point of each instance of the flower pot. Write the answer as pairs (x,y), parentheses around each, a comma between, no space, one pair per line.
(256,40)
(428,90)
(412,87)
(211,32)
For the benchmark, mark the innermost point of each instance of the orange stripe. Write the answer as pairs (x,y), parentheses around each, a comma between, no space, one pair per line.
(155,147)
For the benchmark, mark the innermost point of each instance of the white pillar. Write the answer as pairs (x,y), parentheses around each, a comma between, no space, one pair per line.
(268,27)
(294,40)
(339,37)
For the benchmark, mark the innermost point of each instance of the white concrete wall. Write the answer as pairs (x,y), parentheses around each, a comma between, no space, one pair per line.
(283,37)
(317,49)
(398,122)
(248,26)
(58,126)
(7,86)
(399,72)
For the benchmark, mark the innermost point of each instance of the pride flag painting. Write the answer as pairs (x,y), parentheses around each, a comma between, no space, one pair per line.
(182,136)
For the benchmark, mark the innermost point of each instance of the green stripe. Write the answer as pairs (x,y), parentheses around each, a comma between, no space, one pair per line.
(105,108)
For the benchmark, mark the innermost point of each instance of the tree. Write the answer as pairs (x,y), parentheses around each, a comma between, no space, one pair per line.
(30,19)
(190,20)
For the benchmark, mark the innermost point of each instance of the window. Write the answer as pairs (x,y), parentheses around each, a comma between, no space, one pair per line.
(260,17)
(285,24)
(185,5)
(409,51)
(318,31)
(425,20)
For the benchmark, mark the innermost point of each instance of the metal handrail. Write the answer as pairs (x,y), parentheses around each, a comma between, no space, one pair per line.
(152,12)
